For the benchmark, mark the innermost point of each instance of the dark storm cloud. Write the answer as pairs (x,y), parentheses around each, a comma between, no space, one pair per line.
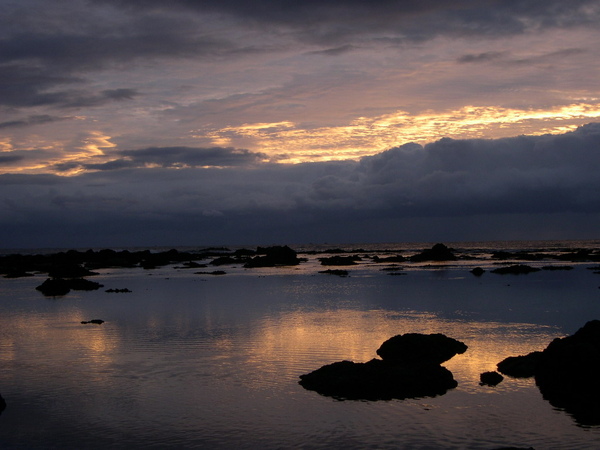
(6,160)
(409,19)
(534,186)
(31,121)
(193,157)
(173,157)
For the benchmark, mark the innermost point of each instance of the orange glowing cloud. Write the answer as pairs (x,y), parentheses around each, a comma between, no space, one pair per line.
(289,143)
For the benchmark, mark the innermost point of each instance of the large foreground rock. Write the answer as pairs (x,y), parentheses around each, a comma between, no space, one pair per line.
(379,380)
(409,368)
(566,372)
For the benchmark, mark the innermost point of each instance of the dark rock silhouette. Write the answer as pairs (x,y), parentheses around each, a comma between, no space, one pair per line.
(379,380)
(389,259)
(339,260)
(338,272)
(478,271)
(224,260)
(274,256)
(408,372)
(520,366)
(54,287)
(416,347)
(566,373)
(81,284)
(118,291)
(70,271)
(96,321)
(490,378)
(439,252)
(516,269)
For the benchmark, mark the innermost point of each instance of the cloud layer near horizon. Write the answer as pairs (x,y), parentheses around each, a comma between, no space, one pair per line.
(525,187)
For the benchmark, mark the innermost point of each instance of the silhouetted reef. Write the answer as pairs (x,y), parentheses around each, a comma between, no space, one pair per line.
(409,368)
(566,372)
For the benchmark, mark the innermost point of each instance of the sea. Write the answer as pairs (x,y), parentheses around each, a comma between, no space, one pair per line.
(189,360)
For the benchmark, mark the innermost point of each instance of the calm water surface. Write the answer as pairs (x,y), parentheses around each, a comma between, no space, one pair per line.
(199,361)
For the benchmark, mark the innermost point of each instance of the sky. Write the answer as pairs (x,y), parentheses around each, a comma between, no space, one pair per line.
(215,122)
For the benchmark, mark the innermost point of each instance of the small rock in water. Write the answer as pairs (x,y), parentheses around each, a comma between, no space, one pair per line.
(490,378)
(96,321)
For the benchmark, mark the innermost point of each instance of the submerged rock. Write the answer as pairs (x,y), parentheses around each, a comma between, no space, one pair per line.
(96,321)
(409,368)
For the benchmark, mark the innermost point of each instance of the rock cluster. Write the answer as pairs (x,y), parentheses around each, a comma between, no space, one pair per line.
(409,368)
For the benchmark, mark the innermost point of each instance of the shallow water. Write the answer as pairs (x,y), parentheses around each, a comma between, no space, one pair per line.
(199,361)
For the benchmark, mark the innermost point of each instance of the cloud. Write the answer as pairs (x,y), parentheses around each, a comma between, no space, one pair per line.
(331,20)
(32,120)
(457,188)
(171,157)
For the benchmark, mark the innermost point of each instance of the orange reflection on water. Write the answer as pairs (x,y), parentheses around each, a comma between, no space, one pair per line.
(299,342)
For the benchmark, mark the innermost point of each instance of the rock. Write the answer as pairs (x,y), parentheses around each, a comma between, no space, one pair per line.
(520,366)
(338,272)
(490,378)
(18,274)
(516,269)
(439,252)
(399,374)
(81,284)
(339,260)
(477,271)
(118,291)
(389,259)
(224,260)
(96,321)
(54,287)
(69,271)
(416,348)
(274,256)
(567,374)
(379,380)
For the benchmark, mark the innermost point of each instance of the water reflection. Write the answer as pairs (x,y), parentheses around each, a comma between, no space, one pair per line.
(188,362)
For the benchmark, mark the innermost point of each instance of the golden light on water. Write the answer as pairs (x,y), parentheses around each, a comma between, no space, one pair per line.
(303,341)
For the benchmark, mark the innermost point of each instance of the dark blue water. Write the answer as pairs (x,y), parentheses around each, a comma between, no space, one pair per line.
(198,361)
